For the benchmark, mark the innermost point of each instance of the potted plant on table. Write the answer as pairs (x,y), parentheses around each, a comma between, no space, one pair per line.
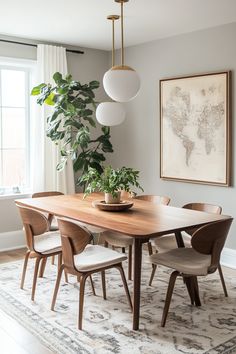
(111,182)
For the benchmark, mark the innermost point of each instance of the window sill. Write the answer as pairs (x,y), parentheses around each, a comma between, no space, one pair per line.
(15,196)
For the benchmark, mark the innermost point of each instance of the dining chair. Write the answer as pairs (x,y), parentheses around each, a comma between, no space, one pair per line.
(83,259)
(52,223)
(41,242)
(116,239)
(201,259)
(168,242)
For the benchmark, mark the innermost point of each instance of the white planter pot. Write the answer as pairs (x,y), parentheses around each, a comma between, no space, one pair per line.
(109,199)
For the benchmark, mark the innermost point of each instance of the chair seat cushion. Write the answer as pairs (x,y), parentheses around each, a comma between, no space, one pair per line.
(184,260)
(117,239)
(96,257)
(91,228)
(49,242)
(168,242)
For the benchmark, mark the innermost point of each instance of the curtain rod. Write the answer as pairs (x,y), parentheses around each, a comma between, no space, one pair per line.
(35,45)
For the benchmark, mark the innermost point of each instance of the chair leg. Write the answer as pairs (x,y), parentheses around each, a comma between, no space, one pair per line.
(36,268)
(150,248)
(196,291)
(123,249)
(130,262)
(104,284)
(59,260)
(57,286)
(59,265)
(92,285)
(122,273)
(169,296)
(154,267)
(81,299)
(42,267)
(106,244)
(222,280)
(53,260)
(189,285)
(24,269)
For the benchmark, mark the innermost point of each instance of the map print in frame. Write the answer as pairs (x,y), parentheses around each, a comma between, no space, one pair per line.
(194,112)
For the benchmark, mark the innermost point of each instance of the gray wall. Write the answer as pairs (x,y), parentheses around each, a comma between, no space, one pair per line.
(87,67)
(198,52)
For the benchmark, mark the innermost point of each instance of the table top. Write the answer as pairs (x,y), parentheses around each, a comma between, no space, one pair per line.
(144,219)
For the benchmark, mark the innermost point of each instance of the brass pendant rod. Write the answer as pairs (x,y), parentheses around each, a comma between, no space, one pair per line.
(113,42)
(113,18)
(122,35)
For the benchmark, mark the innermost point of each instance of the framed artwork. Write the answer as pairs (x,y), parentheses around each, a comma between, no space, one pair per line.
(195,124)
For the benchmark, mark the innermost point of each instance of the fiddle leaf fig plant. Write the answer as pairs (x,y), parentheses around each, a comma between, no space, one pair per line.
(70,122)
(111,180)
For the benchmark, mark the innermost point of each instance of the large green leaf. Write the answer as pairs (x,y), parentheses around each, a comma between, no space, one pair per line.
(50,99)
(37,89)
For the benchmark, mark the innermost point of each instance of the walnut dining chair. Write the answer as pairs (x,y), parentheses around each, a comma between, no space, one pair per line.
(41,242)
(83,259)
(201,259)
(168,242)
(116,239)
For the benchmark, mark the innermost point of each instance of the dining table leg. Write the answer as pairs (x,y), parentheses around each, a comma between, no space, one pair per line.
(137,280)
(179,239)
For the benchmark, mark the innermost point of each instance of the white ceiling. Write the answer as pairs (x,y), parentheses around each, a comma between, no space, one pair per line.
(83,22)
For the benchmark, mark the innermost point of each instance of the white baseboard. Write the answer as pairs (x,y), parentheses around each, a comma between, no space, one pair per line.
(228,258)
(12,240)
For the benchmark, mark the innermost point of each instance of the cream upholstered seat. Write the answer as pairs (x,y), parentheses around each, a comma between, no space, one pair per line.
(48,242)
(116,239)
(94,257)
(168,242)
(184,260)
(202,259)
(82,259)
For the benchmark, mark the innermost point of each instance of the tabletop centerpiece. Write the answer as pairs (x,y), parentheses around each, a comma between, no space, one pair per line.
(111,182)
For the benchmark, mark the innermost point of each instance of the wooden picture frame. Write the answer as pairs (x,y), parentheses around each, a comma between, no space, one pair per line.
(195,123)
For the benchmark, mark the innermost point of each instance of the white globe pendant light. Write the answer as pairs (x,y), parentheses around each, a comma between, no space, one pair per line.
(110,113)
(121,82)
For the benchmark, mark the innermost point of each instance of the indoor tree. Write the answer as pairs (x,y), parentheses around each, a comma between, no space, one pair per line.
(71,123)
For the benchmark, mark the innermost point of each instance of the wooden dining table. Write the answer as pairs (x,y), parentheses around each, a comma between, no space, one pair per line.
(143,221)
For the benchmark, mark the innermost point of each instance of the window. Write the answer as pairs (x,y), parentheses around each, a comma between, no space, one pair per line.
(14,128)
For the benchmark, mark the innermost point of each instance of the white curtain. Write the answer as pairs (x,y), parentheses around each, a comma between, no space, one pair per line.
(46,155)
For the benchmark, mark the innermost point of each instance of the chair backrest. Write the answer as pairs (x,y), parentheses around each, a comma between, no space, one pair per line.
(34,223)
(46,194)
(156,199)
(74,239)
(210,239)
(207,208)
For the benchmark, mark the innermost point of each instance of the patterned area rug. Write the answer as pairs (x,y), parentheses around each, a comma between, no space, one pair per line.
(107,325)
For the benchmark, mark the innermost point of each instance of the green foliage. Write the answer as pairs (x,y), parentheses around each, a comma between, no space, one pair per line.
(70,122)
(110,180)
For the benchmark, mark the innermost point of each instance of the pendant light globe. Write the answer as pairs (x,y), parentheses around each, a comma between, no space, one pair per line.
(121,83)
(110,113)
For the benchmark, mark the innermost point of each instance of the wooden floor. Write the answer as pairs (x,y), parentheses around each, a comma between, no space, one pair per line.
(15,339)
